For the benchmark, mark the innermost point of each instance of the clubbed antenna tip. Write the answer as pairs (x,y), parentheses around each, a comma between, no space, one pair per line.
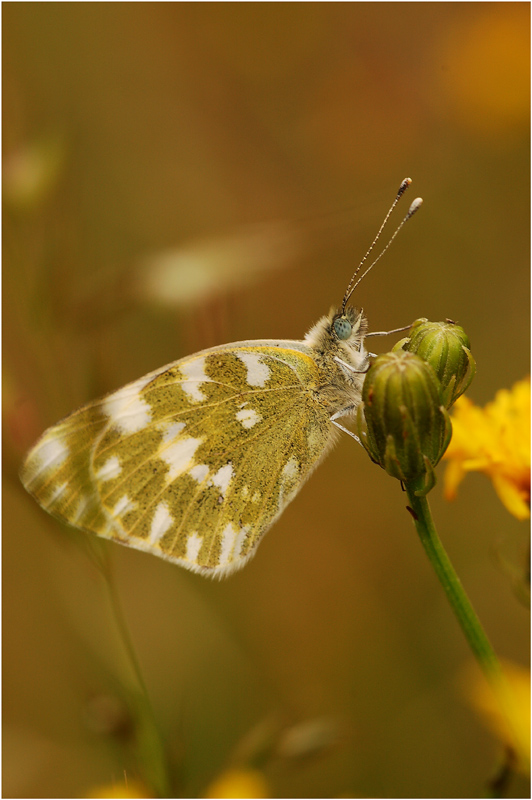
(414,207)
(405,183)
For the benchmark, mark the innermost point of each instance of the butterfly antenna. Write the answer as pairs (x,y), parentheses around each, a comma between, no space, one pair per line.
(402,189)
(411,211)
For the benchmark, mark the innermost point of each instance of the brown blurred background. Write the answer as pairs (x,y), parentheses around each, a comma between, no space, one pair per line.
(180,175)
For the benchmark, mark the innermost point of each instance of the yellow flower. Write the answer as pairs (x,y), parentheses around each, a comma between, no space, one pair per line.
(507,715)
(494,440)
(238,782)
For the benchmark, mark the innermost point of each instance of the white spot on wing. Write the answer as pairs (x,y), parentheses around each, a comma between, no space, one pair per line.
(82,505)
(127,409)
(248,417)
(178,456)
(162,521)
(199,472)
(290,469)
(194,543)
(232,541)
(123,506)
(172,431)
(58,491)
(194,373)
(239,541)
(52,452)
(229,535)
(258,372)
(223,477)
(111,469)
(289,476)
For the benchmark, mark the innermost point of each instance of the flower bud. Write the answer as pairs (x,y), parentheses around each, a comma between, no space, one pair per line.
(402,421)
(445,346)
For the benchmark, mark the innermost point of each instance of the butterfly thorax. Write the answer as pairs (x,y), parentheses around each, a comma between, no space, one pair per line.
(341,362)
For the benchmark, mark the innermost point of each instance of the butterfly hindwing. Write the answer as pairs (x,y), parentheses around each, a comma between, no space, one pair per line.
(193,462)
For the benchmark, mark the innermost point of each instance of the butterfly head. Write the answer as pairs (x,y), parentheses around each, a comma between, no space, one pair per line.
(347,323)
(339,332)
(348,327)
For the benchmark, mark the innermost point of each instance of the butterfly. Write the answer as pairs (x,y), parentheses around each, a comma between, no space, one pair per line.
(195,461)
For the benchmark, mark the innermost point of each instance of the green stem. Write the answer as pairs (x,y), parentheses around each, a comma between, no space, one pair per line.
(460,603)
(149,739)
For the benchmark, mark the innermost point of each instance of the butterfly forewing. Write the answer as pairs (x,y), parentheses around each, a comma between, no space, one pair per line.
(194,462)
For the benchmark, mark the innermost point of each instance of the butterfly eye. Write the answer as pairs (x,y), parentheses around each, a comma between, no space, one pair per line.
(342,328)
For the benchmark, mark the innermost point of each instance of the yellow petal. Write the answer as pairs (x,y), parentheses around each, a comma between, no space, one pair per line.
(511,496)
(454,474)
(494,440)
(239,782)
(507,716)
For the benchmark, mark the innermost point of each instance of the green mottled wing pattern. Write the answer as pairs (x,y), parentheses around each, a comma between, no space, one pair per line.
(193,462)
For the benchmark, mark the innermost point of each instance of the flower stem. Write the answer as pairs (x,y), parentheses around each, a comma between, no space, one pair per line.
(461,605)
(148,736)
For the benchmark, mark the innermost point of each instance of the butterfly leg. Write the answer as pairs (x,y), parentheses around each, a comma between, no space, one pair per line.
(350,368)
(341,427)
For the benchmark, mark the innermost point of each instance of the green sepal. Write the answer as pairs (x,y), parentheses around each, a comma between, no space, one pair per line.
(445,346)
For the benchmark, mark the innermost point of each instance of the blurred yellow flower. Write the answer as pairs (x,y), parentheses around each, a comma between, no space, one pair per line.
(494,440)
(31,172)
(123,788)
(507,717)
(238,782)
(486,78)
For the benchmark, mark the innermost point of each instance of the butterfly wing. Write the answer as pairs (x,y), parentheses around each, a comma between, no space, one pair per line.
(193,462)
